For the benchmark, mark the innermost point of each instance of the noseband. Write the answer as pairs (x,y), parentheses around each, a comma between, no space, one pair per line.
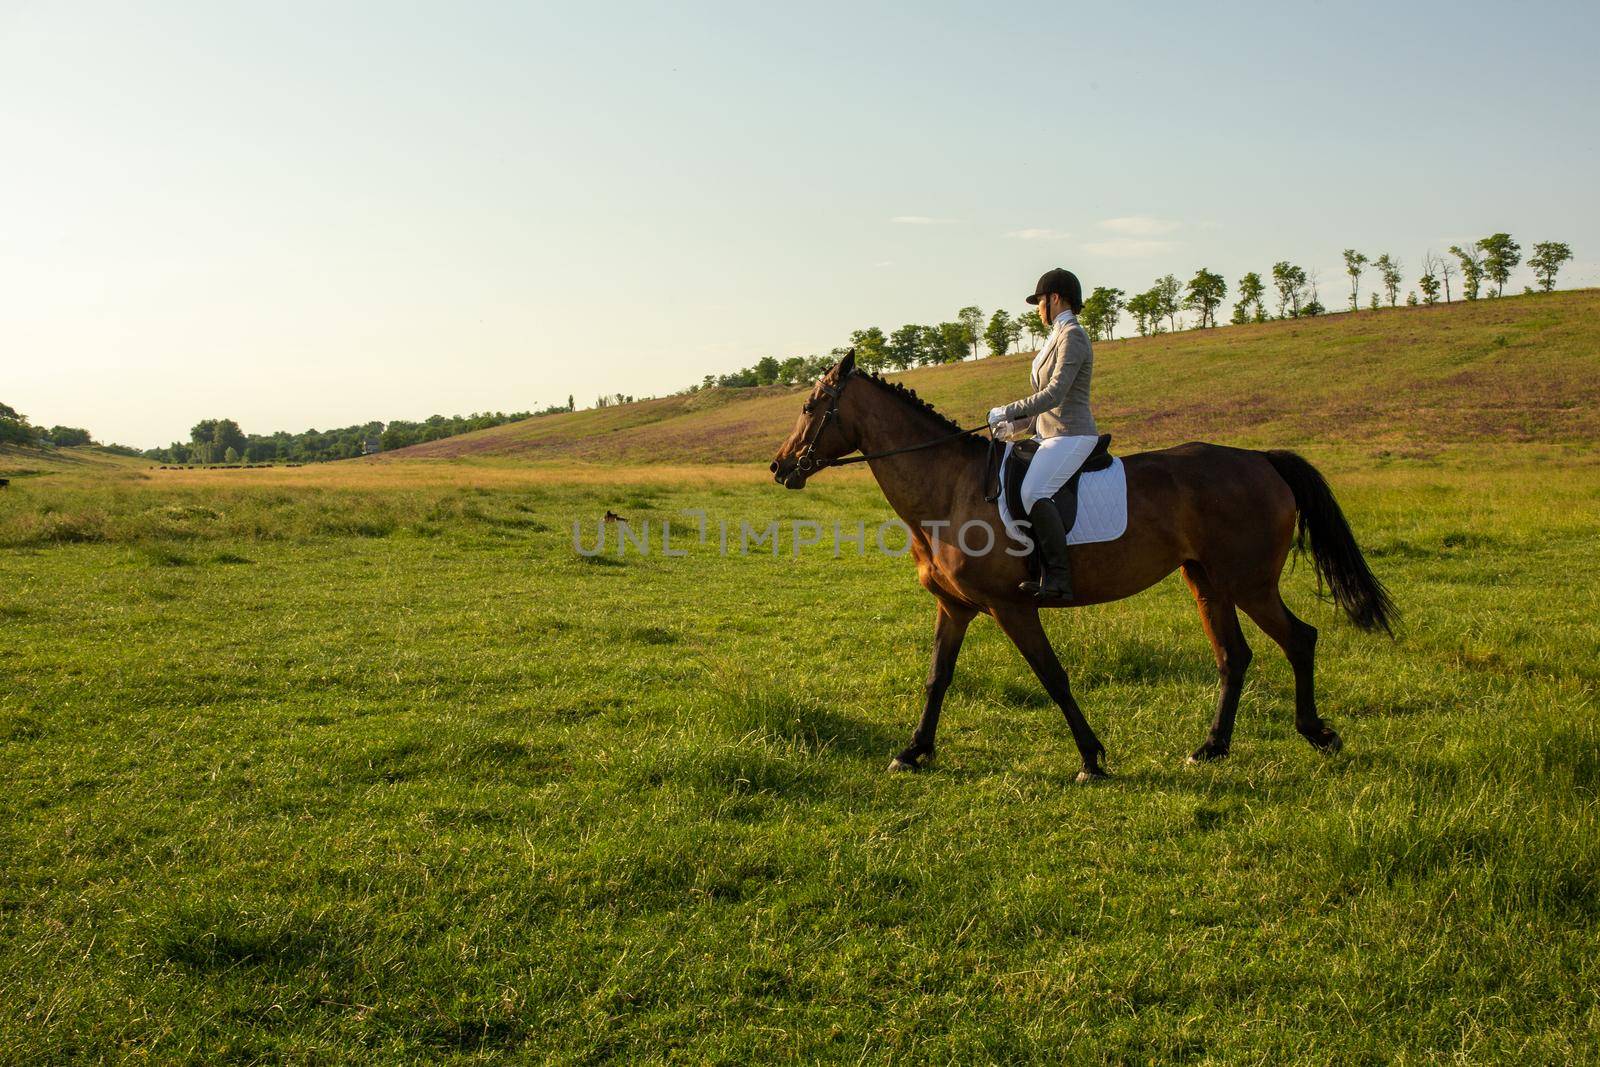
(807,460)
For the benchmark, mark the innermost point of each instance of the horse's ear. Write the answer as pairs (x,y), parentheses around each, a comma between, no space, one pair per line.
(847,365)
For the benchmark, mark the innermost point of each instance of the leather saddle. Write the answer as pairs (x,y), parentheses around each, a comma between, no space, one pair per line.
(1009,480)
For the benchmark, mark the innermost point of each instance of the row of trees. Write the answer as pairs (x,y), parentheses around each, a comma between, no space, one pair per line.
(1491,258)
(912,345)
(1293,291)
(17,430)
(1296,291)
(222,440)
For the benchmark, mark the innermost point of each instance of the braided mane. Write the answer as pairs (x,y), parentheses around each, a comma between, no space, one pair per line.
(910,396)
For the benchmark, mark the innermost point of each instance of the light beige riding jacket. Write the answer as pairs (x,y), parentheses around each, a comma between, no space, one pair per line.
(1061,373)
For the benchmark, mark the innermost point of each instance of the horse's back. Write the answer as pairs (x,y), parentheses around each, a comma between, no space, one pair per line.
(1213,494)
(1202,464)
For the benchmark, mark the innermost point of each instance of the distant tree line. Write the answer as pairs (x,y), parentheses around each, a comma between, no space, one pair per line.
(15,429)
(1294,290)
(1294,293)
(912,345)
(222,441)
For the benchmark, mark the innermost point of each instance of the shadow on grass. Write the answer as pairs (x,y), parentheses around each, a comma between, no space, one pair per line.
(215,937)
(747,708)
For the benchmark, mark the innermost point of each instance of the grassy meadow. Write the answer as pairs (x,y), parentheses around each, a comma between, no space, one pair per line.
(364,763)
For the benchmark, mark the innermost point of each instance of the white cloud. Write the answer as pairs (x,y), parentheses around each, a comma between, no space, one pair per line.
(917,220)
(1039,234)
(1129,248)
(1139,225)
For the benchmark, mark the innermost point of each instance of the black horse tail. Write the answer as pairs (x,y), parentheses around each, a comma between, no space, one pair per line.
(1334,551)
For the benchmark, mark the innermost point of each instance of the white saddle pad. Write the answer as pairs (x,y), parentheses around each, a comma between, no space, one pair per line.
(1102,506)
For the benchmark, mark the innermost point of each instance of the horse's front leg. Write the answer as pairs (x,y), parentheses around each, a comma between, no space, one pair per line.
(1022,625)
(949,629)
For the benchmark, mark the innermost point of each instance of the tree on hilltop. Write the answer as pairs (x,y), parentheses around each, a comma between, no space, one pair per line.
(1446,272)
(1144,315)
(1500,257)
(971,320)
(1205,294)
(1389,271)
(1014,333)
(1171,295)
(1290,281)
(67,436)
(14,427)
(766,370)
(905,347)
(1471,258)
(1100,313)
(792,371)
(1251,292)
(1116,302)
(1546,261)
(1354,263)
(997,335)
(944,343)
(869,345)
(1432,271)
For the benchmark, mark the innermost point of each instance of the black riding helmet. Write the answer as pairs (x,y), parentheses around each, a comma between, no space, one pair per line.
(1064,284)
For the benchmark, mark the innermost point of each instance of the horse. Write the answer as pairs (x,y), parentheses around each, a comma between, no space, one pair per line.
(1226,517)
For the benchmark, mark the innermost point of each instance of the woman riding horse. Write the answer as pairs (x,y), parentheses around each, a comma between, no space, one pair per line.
(1228,518)
(1058,412)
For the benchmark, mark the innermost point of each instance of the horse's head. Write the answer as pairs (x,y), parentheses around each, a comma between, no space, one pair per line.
(818,438)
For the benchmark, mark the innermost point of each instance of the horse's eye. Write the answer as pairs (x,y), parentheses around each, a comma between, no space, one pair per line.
(806,408)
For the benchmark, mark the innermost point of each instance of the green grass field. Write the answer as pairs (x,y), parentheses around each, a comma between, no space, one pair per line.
(363,762)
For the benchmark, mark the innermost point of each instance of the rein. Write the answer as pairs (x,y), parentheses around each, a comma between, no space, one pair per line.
(807,462)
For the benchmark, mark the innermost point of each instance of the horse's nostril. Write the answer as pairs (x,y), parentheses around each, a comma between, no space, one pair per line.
(774,467)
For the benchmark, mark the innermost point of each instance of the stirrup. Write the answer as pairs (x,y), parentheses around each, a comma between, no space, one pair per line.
(1049,587)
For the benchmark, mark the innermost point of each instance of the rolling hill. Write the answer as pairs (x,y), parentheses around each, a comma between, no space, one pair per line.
(19,462)
(1521,368)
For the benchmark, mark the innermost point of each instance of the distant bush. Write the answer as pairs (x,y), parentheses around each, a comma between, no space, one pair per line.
(68,436)
(14,428)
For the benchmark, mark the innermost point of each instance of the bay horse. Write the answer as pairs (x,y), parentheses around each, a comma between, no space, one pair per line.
(1227,517)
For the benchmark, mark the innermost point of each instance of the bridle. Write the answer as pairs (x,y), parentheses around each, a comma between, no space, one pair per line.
(807,461)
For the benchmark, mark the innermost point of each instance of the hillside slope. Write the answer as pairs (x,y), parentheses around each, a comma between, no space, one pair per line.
(19,462)
(1516,369)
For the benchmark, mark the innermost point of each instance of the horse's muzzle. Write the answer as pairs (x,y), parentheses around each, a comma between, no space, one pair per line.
(788,474)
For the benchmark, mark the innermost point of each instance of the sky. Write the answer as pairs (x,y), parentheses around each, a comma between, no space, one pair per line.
(306,215)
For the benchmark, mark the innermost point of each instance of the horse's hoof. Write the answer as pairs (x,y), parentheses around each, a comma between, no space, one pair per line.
(1088,777)
(911,760)
(1329,743)
(1206,753)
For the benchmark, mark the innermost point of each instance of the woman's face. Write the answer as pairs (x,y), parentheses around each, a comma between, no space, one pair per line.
(1047,308)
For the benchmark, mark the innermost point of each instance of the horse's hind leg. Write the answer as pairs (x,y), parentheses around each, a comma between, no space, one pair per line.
(949,629)
(1298,639)
(1022,625)
(1221,624)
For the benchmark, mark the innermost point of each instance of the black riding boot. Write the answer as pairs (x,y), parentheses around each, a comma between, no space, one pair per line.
(1052,540)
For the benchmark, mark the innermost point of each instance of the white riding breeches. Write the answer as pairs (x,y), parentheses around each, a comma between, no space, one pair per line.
(1057,460)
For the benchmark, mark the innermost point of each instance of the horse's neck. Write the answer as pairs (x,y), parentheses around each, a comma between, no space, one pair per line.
(919,484)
